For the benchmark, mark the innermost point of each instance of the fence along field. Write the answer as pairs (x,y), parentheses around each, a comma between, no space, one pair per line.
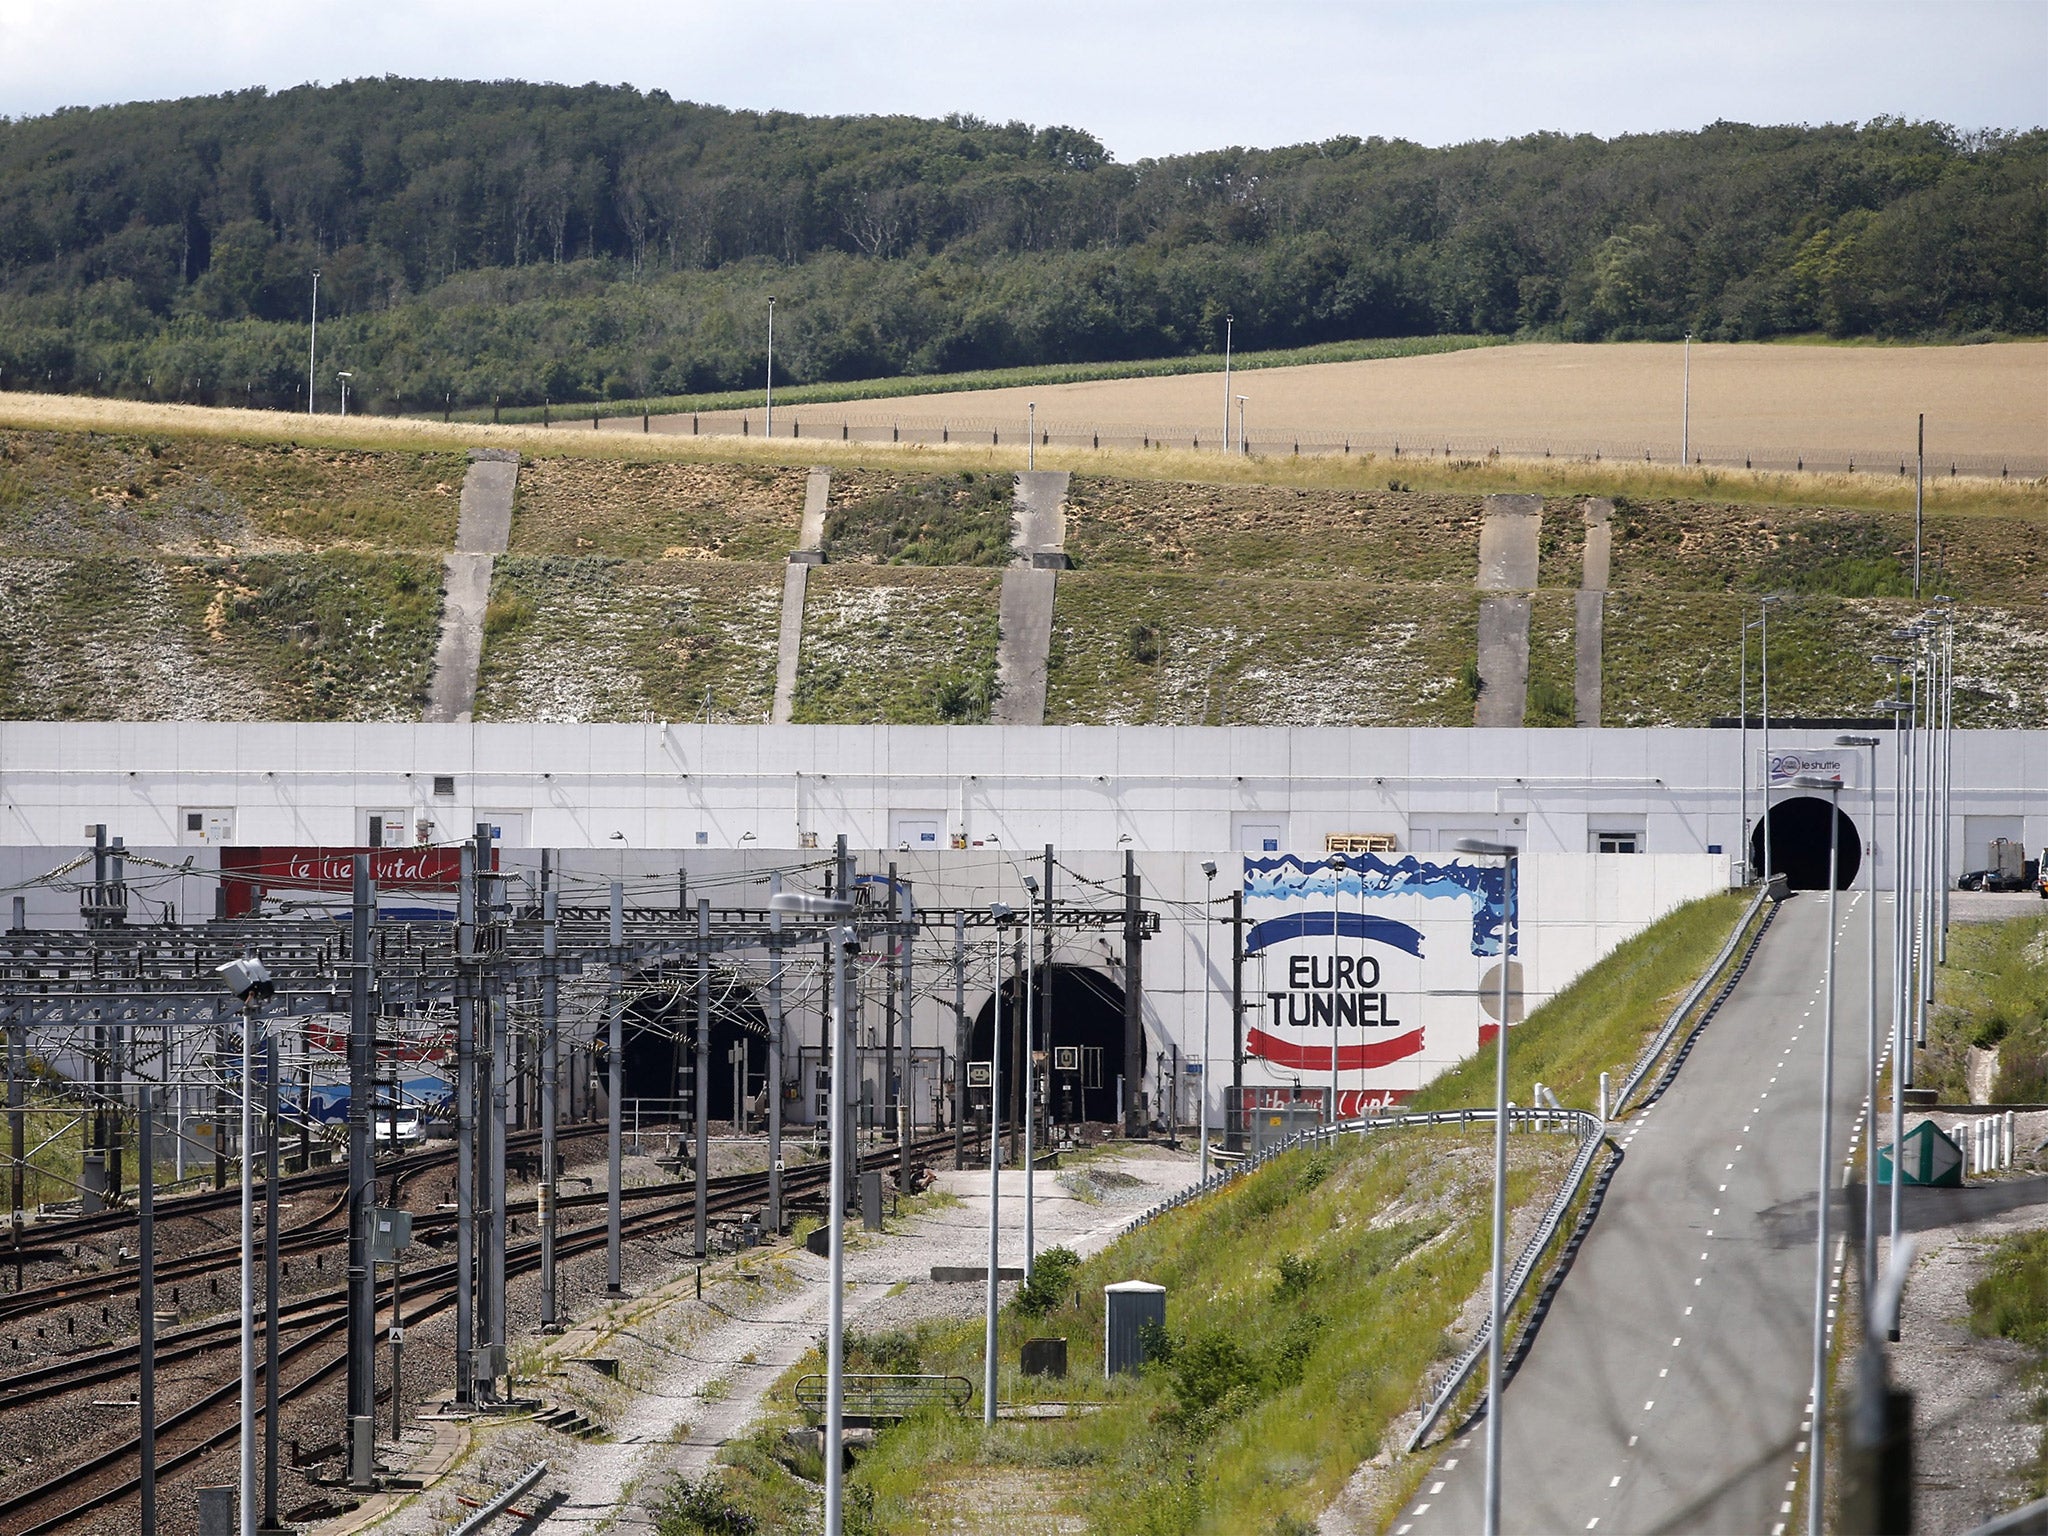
(1777,407)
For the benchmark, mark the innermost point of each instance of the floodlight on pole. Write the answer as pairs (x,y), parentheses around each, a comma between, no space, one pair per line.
(1208,996)
(313,344)
(804,904)
(1004,915)
(1030,1074)
(1507,854)
(1685,416)
(249,980)
(344,376)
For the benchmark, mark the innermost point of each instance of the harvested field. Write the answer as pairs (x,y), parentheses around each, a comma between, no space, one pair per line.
(339,636)
(649,511)
(1981,402)
(906,647)
(76,493)
(595,638)
(1191,650)
(1381,536)
(1673,658)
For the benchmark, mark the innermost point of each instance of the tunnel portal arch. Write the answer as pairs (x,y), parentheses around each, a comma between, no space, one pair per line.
(659,1040)
(1086,1012)
(1799,844)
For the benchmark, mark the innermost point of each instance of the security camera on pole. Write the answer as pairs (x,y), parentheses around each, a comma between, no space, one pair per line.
(801,904)
(249,980)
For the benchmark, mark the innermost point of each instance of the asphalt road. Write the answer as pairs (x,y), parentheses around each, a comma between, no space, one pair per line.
(1668,1388)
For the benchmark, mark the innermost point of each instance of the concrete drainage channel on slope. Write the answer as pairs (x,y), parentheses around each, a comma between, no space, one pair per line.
(1038,534)
(483,531)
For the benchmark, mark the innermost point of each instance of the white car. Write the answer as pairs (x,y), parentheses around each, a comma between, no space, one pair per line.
(402,1124)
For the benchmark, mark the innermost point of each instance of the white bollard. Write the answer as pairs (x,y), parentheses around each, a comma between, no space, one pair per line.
(1603,1098)
(2010,1133)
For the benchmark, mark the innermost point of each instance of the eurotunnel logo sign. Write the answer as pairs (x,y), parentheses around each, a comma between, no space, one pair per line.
(1366,967)
(1782,767)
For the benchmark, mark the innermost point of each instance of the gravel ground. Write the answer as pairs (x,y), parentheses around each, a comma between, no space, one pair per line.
(1975,1436)
(692,1375)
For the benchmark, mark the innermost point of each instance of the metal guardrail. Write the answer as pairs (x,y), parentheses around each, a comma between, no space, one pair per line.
(1686,1004)
(1590,1129)
(502,1503)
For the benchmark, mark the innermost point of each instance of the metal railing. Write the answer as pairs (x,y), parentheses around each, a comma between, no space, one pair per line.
(1590,1129)
(1657,1046)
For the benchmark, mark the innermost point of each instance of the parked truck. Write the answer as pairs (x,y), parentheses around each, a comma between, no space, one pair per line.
(2009,870)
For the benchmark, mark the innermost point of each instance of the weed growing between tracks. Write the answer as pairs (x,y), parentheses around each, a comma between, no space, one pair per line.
(1602,1020)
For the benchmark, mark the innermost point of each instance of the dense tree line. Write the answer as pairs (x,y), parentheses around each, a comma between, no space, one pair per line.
(519,241)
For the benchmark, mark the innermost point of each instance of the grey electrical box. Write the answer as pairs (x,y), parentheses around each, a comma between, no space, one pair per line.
(489,1362)
(1127,1307)
(1270,1127)
(871,1200)
(216,1512)
(390,1235)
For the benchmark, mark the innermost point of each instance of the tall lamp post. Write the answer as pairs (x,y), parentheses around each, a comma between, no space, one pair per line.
(313,344)
(768,402)
(1208,994)
(1509,927)
(1228,322)
(1338,864)
(1764,642)
(344,376)
(1030,1068)
(1897,707)
(1243,447)
(1004,916)
(1816,1493)
(1685,410)
(1869,1275)
(832,910)
(249,980)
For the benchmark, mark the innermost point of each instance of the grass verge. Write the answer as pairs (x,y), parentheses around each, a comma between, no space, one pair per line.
(1992,996)
(1602,1021)
(2023,499)
(2010,1301)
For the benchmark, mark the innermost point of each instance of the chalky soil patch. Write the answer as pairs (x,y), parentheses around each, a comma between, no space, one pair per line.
(898,645)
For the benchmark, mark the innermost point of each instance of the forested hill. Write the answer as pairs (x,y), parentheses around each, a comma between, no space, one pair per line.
(521,241)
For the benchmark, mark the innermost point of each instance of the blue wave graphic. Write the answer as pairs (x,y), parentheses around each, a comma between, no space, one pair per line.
(1299,925)
(1288,877)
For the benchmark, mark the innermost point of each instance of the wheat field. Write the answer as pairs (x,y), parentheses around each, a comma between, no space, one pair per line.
(1986,406)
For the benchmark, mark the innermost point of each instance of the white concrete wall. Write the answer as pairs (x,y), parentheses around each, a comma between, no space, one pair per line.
(1082,788)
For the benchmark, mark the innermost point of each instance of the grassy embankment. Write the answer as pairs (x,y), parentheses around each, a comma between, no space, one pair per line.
(1992,996)
(643,575)
(1275,1390)
(1297,1333)
(2010,1301)
(1602,1021)
(162,575)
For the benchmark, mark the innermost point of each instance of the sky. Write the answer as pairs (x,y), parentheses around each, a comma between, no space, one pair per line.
(1146,79)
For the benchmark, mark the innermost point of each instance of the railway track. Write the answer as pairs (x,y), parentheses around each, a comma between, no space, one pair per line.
(211,1421)
(310,1236)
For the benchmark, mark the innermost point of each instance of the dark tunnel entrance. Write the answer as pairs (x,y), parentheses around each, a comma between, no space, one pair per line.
(1085,1014)
(660,1040)
(1799,844)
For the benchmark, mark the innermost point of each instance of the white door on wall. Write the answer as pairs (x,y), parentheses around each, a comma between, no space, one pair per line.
(205,827)
(508,828)
(390,828)
(1259,836)
(917,831)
